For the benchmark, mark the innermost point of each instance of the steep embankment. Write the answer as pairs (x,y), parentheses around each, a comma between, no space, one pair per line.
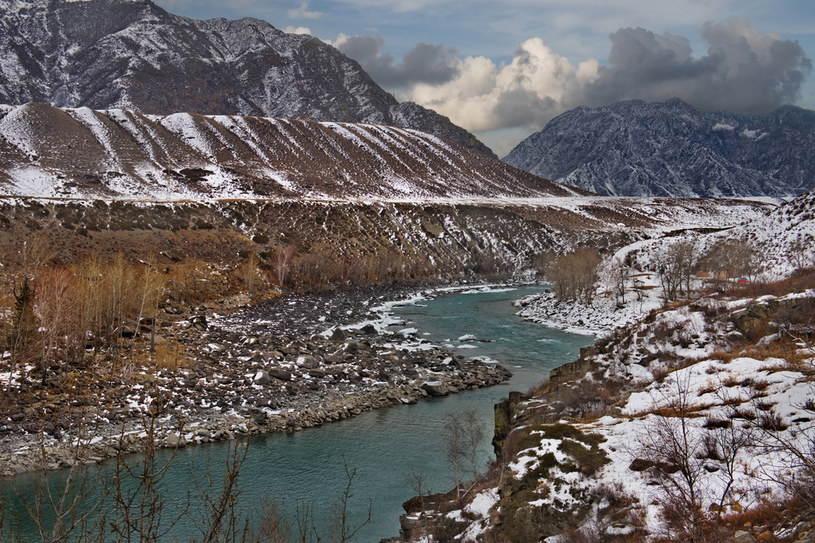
(692,422)
(431,240)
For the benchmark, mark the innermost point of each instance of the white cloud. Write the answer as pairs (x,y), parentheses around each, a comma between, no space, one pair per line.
(528,91)
(302,12)
(297,30)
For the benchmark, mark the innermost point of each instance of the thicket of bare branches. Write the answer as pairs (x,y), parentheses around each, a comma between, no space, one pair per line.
(64,315)
(463,436)
(675,266)
(129,504)
(574,274)
(731,258)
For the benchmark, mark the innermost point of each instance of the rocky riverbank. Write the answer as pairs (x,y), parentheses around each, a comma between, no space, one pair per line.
(282,365)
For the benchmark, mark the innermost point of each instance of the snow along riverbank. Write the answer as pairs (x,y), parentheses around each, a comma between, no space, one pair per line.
(284,365)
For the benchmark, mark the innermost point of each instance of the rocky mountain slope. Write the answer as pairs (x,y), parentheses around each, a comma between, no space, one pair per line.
(635,148)
(132,54)
(82,153)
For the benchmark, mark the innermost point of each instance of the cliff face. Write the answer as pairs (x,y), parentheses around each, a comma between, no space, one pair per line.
(132,54)
(671,149)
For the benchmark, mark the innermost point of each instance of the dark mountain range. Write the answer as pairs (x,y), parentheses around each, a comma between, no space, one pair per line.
(134,55)
(635,148)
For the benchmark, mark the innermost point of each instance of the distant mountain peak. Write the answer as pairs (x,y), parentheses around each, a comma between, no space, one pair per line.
(133,54)
(670,148)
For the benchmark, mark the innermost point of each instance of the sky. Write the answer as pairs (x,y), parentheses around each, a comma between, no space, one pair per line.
(504,69)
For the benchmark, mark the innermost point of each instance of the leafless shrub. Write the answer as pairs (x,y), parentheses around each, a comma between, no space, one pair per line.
(463,437)
(675,448)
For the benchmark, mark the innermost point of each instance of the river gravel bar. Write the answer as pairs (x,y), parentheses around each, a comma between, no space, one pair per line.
(282,365)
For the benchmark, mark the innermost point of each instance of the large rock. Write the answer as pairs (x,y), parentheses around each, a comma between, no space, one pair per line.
(436,388)
(280,373)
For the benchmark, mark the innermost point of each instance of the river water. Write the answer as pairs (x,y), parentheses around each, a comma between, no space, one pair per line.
(306,470)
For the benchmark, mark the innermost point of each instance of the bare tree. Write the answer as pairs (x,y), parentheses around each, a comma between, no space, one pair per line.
(23,327)
(464,435)
(140,513)
(616,278)
(283,256)
(344,530)
(62,506)
(674,267)
(677,453)
(574,274)
(801,252)
(731,258)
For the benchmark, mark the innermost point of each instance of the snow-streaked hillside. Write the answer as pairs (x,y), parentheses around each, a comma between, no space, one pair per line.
(634,148)
(785,237)
(47,151)
(711,399)
(782,240)
(134,55)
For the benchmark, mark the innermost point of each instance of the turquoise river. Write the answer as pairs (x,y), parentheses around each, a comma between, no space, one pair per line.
(305,470)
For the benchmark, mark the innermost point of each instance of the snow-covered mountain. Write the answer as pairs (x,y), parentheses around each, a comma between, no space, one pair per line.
(51,152)
(635,148)
(132,54)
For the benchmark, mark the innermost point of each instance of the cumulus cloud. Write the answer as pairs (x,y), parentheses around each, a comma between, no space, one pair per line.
(302,12)
(297,30)
(743,69)
(425,63)
(528,91)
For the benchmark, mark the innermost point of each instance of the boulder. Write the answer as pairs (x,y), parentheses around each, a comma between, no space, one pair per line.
(258,416)
(308,362)
(743,537)
(280,373)
(262,378)
(175,441)
(199,321)
(435,388)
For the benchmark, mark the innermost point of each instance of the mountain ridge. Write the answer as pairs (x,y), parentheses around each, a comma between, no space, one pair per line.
(132,54)
(634,148)
(83,153)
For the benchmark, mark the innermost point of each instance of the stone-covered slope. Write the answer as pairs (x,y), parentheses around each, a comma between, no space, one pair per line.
(47,151)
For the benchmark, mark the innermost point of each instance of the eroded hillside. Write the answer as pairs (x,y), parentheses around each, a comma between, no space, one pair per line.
(47,151)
